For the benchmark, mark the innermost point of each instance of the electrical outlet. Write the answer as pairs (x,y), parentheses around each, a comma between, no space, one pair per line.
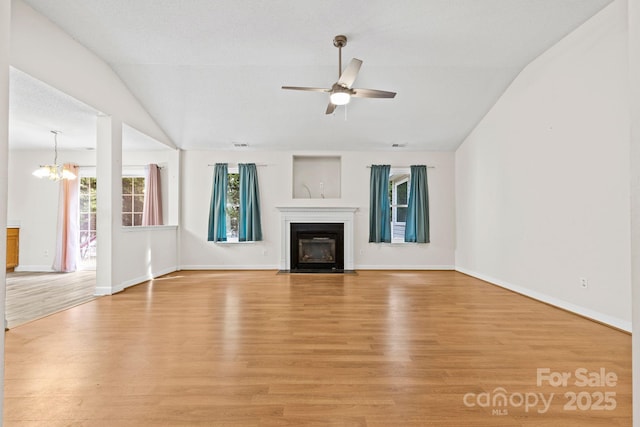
(584,283)
(46,253)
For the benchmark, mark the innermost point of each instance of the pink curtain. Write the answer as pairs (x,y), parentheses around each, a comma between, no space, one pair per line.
(152,209)
(66,257)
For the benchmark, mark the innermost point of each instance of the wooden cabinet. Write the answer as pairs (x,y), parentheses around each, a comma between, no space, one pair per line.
(13,239)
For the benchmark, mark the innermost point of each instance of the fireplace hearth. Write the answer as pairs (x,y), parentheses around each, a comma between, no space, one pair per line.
(317,247)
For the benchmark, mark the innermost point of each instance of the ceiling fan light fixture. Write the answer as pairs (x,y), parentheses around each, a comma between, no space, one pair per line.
(340,98)
(341,91)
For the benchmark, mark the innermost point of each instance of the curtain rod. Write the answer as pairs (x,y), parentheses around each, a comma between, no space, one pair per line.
(236,164)
(124,166)
(403,167)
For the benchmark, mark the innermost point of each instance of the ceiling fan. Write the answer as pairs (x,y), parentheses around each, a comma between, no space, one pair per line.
(341,91)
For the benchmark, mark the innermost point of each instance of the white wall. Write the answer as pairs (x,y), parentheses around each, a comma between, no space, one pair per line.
(634,80)
(542,183)
(148,252)
(275,190)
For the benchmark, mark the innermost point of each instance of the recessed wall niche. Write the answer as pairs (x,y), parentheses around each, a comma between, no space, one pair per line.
(316,177)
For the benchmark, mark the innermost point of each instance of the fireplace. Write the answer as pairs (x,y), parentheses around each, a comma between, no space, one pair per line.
(317,247)
(344,215)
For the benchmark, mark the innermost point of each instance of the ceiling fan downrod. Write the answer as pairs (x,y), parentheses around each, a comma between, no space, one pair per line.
(340,41)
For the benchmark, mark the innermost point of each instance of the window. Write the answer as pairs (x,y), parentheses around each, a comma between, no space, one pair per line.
(399,199)
(87,216)
(132,200)
(233,205)
(234,210)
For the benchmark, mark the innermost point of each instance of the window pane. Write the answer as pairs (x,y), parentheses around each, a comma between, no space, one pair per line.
(233,204)
(92,245)
(137,219)
(233,189)
(84,222)
(127,185)
(138,203)
(138,185)
(127,204)
(87,219)
(126,220)
(233,212)
(84,237)
(84,244)
(401,214)
(84,203)
(402,193)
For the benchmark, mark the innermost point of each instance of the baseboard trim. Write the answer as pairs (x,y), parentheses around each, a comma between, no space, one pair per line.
(34,268)
(229,267)
(405,267)
(556,302)
(275,267)
(101,291)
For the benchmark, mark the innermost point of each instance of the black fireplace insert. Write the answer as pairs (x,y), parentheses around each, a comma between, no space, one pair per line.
(317,247)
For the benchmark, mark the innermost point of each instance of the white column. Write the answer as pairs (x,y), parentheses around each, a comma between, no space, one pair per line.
(175,201)
(109,203)
(634,76)
(173,190)
(5,23)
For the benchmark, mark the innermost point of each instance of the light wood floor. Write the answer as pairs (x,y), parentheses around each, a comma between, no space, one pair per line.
(32,296)
(261,349)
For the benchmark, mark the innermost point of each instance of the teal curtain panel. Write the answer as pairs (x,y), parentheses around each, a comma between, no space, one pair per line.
(417,227)
(217,210)
(249,227)
(379,205)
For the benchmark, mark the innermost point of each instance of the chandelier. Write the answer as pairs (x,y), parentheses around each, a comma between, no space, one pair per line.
(54,172)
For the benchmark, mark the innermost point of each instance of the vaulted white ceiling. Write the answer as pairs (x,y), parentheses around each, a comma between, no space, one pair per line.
(210,72)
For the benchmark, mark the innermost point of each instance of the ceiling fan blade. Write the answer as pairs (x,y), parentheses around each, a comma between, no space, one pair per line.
(330,108)
(372,93)
(309,89)
(350,73)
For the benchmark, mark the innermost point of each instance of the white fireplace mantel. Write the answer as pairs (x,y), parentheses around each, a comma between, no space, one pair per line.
(307,214)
